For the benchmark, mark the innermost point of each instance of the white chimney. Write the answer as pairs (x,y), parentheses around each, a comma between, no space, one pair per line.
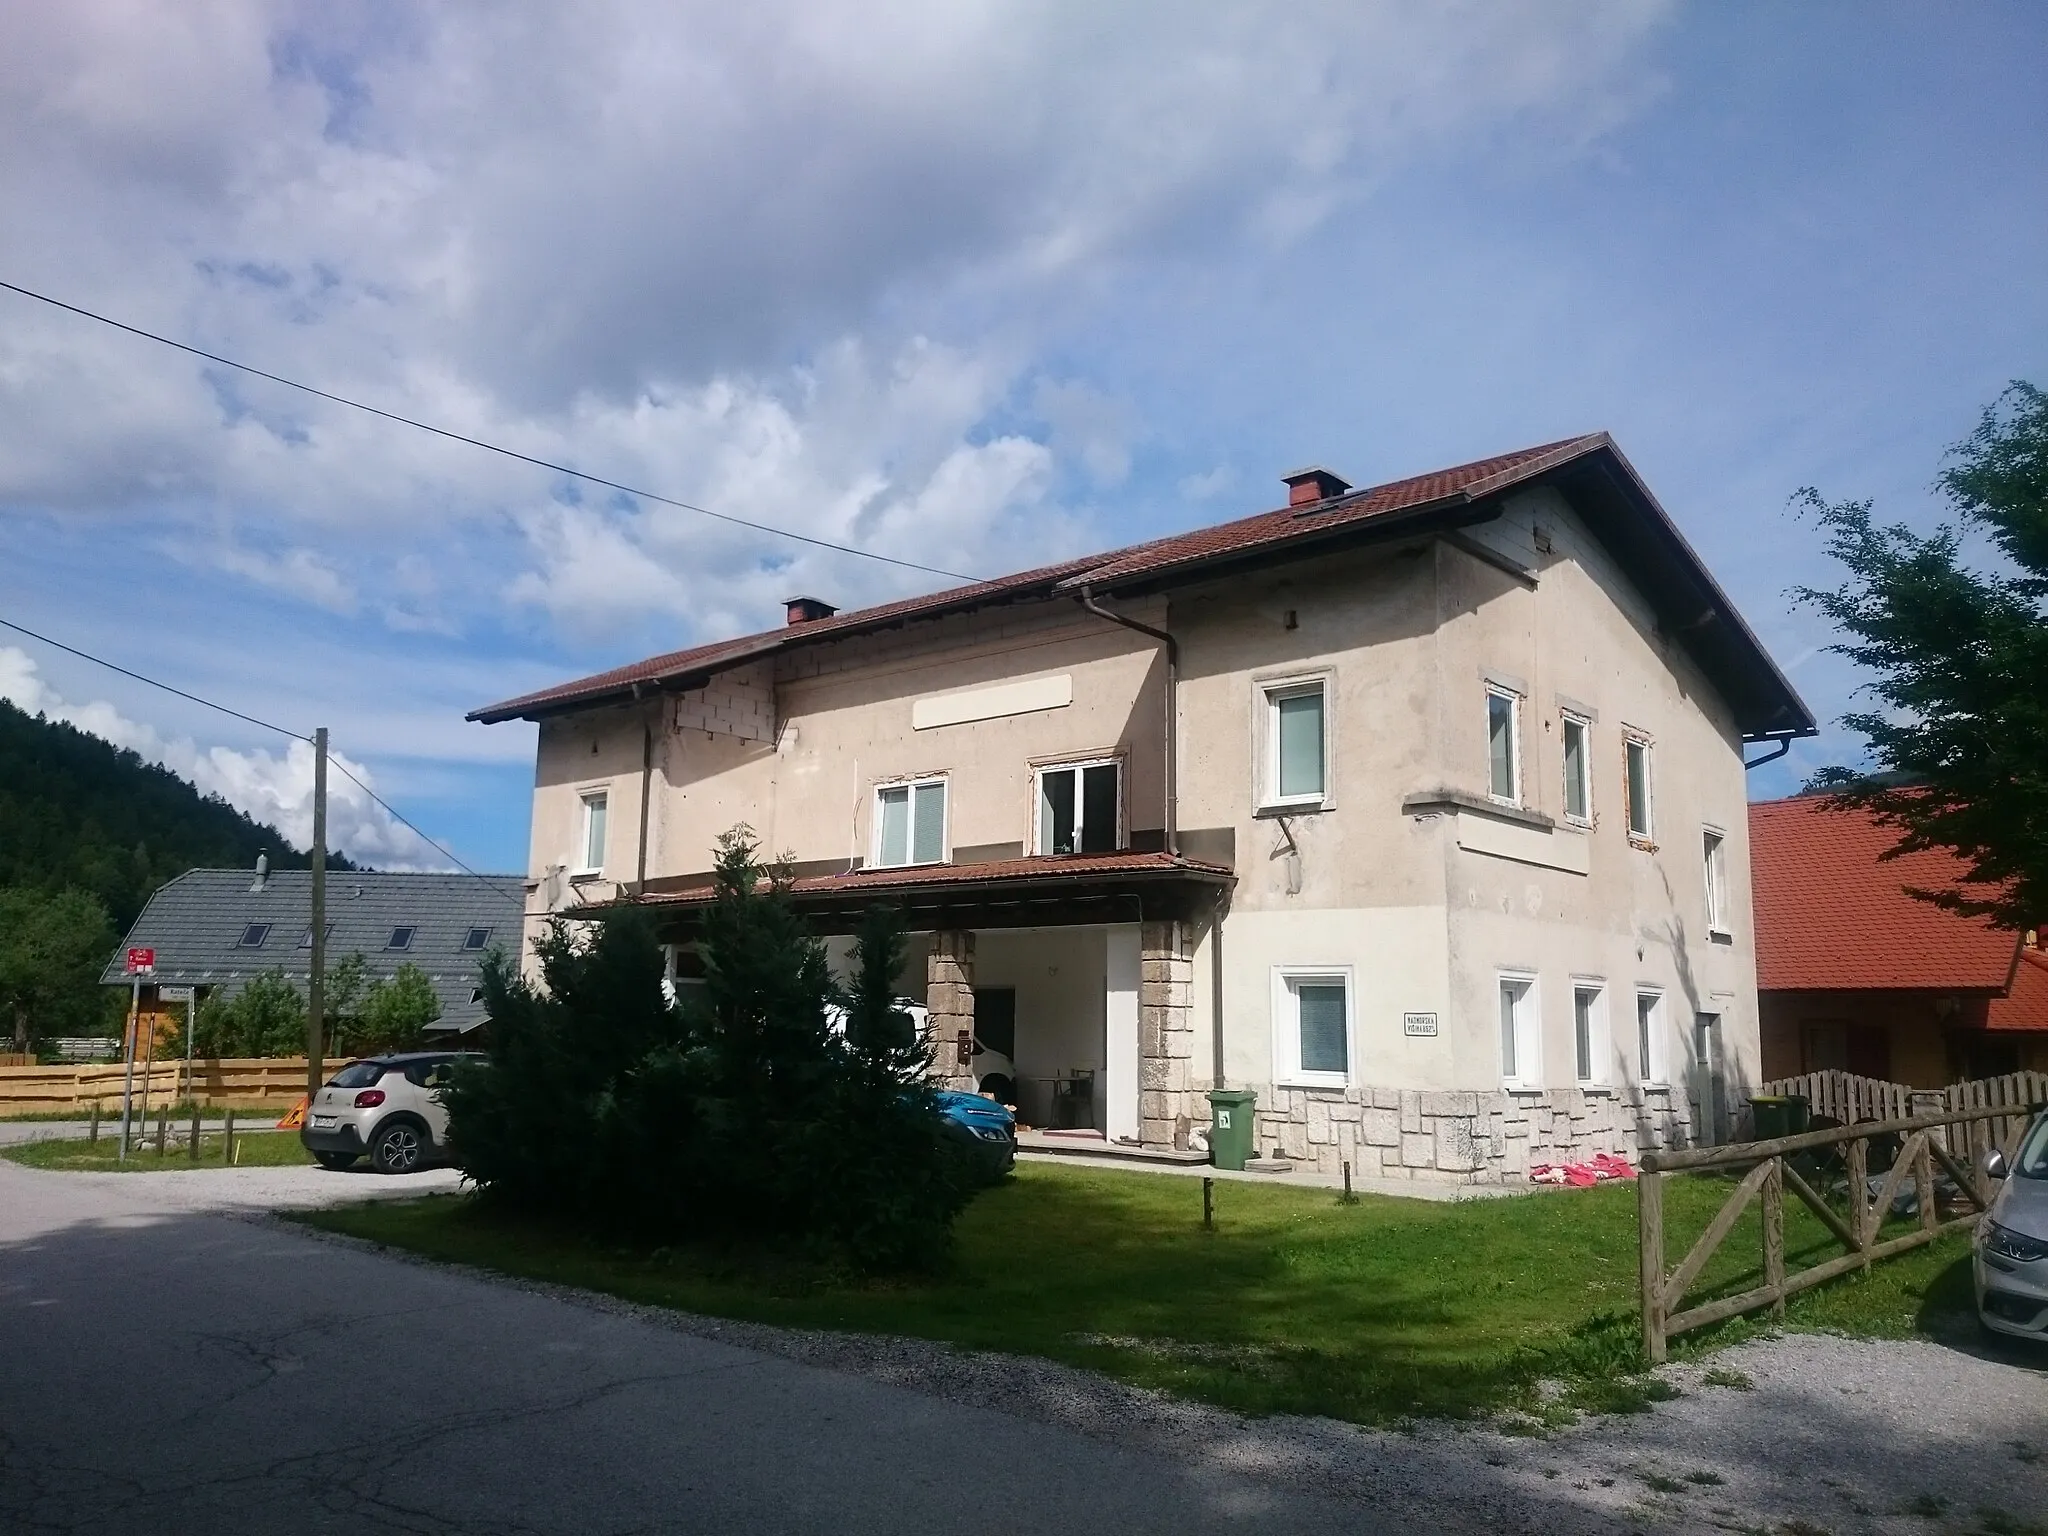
(262,872)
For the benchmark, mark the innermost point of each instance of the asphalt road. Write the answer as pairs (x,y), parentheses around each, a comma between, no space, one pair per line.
(168,1364)
(168,1369)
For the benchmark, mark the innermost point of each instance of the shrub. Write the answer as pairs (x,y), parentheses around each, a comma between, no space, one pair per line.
(266,1018)
(742,1111)
(392,1015)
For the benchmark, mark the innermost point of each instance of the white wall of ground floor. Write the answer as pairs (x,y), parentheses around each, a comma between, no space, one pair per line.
(1424,1093)
(1436,1104)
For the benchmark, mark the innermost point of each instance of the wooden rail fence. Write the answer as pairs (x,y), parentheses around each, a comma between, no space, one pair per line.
(1925,1142)
(212,1081)
(1848,1099)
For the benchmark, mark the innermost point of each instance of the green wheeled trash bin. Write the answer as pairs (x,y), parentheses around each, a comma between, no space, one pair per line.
(1230,1126)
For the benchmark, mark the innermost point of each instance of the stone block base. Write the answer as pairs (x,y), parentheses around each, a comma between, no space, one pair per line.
(1471,1137)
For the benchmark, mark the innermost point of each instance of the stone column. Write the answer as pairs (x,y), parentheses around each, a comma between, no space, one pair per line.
(1166,1036)
(949,996)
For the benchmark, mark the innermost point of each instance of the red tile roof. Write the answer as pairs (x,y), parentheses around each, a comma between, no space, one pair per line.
(1275,530)
(1636,530)
(1833,915)
(2025,1004)
(1044,870)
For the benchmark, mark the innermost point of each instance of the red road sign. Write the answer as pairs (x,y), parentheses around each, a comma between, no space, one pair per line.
(140,960)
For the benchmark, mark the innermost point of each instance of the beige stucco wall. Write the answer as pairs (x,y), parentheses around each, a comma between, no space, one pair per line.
(1408,641)
(1638,916)
(1405,639)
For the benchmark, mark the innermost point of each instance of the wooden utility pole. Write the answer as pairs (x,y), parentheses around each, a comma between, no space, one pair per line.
(316,980)
(128,1076)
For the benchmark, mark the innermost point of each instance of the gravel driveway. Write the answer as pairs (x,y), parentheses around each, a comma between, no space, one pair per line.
(1823,1436)
(545,1387)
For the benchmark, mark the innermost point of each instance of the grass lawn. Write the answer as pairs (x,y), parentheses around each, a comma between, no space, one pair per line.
(254,1149)
(1295,1303)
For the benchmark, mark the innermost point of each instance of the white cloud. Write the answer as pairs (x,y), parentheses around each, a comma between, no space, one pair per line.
(1210,482)
(697,247)
(265,786)
(297,572)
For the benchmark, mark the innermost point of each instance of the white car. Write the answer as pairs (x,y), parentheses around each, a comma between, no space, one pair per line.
(388,1107)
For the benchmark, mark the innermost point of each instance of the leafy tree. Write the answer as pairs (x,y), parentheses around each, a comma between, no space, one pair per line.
(1959,655)
(267,1017)
(347,980)
(744,1111)
(53,947)
(393,1015)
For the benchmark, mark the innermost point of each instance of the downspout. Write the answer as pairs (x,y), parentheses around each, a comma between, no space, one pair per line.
(1216,986)
(646,784)
(1168,731)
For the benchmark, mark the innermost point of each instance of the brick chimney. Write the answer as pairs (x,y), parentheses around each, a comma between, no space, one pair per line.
(806,610)
(1307,486)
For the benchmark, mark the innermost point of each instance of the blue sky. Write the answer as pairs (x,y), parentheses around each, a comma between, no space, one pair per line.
(979,285)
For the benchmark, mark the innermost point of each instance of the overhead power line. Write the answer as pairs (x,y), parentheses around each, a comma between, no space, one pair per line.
(391,810)
(101,661)
(488,447)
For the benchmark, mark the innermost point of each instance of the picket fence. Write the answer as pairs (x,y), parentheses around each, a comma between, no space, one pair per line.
(1848,1099)
(213,1081)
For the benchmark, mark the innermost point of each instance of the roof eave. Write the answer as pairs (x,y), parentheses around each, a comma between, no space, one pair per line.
(1790,718)
(550,702)
(1444,511)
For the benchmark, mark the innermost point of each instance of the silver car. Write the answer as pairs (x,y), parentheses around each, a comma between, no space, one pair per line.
(388,1107)
(2011,1248)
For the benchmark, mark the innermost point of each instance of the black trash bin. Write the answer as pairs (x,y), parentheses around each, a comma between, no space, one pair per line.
(1779,1114)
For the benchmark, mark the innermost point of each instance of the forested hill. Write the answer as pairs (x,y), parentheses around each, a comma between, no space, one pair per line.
(78,811)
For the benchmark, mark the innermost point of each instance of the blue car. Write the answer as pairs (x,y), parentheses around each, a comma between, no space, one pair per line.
(983,1127)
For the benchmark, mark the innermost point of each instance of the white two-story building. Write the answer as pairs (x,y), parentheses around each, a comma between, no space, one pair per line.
(1419,810)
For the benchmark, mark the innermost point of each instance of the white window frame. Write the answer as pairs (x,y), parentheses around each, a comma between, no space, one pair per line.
(910,785)
(586,801)
(1598,1032)
(1515,774)
(1528,1074)
(1271,693)
(1287,1068)
(1632,740)
(1714,873)
(1566,720)
(1074,766)
(1651,1049)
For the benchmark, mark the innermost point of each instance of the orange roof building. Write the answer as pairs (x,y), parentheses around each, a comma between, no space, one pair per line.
(1855,972)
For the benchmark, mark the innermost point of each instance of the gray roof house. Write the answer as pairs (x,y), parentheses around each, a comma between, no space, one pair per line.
(217,928)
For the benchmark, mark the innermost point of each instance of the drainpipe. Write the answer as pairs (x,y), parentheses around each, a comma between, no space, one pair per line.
(1216,986)
(646,783)
(1168,730)
(1784,745)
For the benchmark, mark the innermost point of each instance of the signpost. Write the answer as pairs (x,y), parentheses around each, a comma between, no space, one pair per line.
(1413,1024)
(141,963)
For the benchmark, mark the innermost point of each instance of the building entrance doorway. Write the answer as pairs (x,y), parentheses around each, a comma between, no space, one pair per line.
(995,1043)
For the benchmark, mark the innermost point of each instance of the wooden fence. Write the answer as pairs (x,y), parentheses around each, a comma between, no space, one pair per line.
(1773,1169)
(212,1081)
(1844,1097)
